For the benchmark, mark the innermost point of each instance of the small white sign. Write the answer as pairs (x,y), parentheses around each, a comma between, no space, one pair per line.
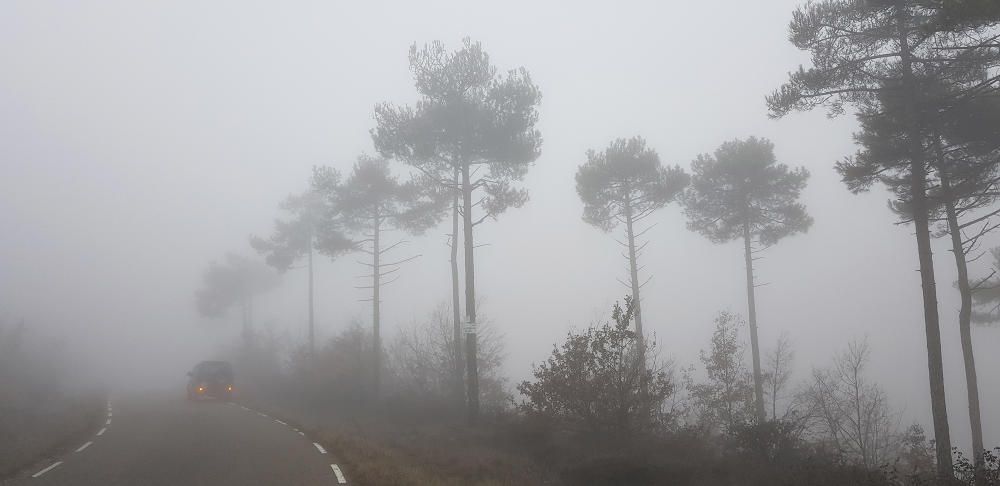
(470,327)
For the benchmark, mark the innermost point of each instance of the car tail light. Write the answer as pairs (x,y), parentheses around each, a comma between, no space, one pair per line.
(230,388)
(201,389)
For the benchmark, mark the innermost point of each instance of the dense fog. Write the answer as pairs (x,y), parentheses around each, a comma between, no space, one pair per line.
(141,142)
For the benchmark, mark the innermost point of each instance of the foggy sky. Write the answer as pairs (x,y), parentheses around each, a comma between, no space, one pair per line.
(141,140)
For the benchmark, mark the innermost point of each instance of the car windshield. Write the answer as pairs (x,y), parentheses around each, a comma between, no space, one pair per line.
(217,369)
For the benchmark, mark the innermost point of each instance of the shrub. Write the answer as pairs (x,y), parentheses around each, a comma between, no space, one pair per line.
(604,379)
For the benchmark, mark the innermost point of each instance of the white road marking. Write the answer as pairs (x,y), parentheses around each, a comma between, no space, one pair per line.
(262,414)
(108,422)
(244,408)
(319,448)
(280,422)
(85,446)
(301,433)
(340,475)
(43,471)
(109,414)
(102,431)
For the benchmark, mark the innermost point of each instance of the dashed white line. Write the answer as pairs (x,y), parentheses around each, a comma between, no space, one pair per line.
(280,422)
(102,431)
(108,422)
(262,414)
(85,446)
(340,475)
(43,471)
(319,448)
(301,433)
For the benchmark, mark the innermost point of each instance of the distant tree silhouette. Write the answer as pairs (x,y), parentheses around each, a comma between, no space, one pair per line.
(475,122)
(236,281)
(371,202)
(623,185)
(742,193)
(310,225)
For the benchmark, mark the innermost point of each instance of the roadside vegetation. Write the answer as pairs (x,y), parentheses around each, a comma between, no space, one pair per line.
(430,404)
(42,409)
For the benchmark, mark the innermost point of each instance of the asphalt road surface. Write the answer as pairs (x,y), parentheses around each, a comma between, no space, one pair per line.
(167,440)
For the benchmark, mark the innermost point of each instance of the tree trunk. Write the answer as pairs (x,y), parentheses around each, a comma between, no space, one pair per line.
(758,382)
(918,187)
(471,364)
(376,332)
(633,268)
(312,332)
(964,322)
(456,305)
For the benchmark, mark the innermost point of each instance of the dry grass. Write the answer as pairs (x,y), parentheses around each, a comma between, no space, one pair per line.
(393,451)
(34,433)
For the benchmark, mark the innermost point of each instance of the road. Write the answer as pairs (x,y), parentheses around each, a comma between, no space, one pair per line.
(166,440)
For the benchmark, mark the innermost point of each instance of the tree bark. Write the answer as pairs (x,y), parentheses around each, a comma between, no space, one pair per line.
(918,187)
(456,305)
(634,277)
(471,363)
(376,332)
(758,382)
(965,322)
(312,332)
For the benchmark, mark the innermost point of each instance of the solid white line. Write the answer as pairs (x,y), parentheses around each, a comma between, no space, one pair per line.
(43,471)
(280,422)
(339,473)
(102,431)
(319,448)
(85,445)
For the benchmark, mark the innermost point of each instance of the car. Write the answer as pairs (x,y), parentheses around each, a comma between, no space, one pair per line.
(211,379)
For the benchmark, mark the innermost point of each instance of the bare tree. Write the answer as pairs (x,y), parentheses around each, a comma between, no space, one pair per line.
(777,373)
(422,360)
(848,411)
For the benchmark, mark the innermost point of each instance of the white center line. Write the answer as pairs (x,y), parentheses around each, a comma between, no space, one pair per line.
(340,475)
(319,448)
(280,422)
(102,431)
(85,446)
(43,471)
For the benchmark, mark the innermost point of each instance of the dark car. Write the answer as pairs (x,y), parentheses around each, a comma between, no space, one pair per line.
(211,379)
